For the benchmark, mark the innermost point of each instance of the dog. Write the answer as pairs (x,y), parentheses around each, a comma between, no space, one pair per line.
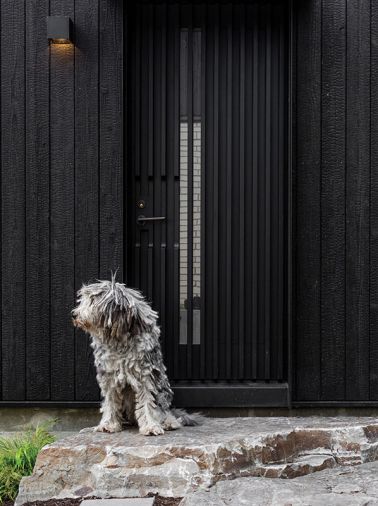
(129,363)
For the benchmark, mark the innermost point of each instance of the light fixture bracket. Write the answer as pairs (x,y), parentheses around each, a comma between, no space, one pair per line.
(59,29)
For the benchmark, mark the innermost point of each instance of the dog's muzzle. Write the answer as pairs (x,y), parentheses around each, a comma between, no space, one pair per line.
(79,323)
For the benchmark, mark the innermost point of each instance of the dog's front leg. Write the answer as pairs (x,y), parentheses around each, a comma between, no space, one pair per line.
(112,404)
(147,414)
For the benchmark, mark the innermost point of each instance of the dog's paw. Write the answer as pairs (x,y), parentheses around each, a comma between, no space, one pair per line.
(109,427)
(152,430)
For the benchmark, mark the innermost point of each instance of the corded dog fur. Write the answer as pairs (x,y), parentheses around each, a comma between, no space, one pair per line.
(128,359)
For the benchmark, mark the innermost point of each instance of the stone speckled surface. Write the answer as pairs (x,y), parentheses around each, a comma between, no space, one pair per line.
(178,463)
(344,486)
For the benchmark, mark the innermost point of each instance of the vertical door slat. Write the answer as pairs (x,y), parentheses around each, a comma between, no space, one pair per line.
(241,245)
(215,189)
(203,167)
(190,192)
(228,193)
(268,203)
(176,183)
(255,167)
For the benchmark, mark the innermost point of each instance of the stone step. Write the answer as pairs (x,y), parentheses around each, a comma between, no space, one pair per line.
(177,463)
(340,486)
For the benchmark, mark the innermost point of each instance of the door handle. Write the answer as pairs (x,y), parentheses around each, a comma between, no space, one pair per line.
(141,220)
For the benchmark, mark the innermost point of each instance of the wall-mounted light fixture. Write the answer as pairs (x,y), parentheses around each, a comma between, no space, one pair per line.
(59,29)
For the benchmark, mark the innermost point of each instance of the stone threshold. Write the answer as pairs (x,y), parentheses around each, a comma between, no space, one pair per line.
(192,458)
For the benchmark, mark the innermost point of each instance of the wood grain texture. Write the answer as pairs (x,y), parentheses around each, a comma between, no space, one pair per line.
(307,202)
(13,199)
(343,248)
(86,178)
(373,246)
(63,124)
(62,208)
(333,110)
(111,138)
(357,180)
(37,202)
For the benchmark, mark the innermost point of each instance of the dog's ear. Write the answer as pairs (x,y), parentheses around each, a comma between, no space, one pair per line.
(144,319)
(122,310)
(140,317)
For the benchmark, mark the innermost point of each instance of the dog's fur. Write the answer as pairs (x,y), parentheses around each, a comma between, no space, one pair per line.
(129,363)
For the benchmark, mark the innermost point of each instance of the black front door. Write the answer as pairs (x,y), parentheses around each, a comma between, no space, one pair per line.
(207,164)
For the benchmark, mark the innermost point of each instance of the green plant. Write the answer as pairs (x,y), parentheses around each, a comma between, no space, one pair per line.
(17,458)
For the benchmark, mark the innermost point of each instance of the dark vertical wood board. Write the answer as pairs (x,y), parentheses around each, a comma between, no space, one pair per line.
(189,347)
(284,183)
(13,199)
(171,161)
(223,310)
(268,190)
(333,200)
(175,195)
(357,200)
(307,200)
(228,182)
(248,192)
(86,177)
(262,174)
(37,202)
(62,208)
(276,326)
(158,182)
(286,204)
(234,192)
(203,207)
(208,198)
(254,336)
(242,194)
(111,137)
(215,192)
(373,303)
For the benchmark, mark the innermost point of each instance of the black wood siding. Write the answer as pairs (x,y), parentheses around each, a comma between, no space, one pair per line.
(61,188)
(62,218)
(336,205)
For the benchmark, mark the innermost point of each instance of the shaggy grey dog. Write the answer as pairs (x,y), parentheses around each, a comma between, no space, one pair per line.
(128,359)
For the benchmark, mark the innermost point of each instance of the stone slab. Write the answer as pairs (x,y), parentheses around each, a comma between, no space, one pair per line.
(344,486)
(146,501)
(180,462)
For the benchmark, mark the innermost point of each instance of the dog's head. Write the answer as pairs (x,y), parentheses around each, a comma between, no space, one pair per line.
(111,310)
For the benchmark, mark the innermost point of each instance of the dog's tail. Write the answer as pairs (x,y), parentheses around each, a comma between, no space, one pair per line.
(187,419)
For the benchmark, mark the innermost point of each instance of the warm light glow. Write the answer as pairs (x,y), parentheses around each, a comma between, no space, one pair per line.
(60,41)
